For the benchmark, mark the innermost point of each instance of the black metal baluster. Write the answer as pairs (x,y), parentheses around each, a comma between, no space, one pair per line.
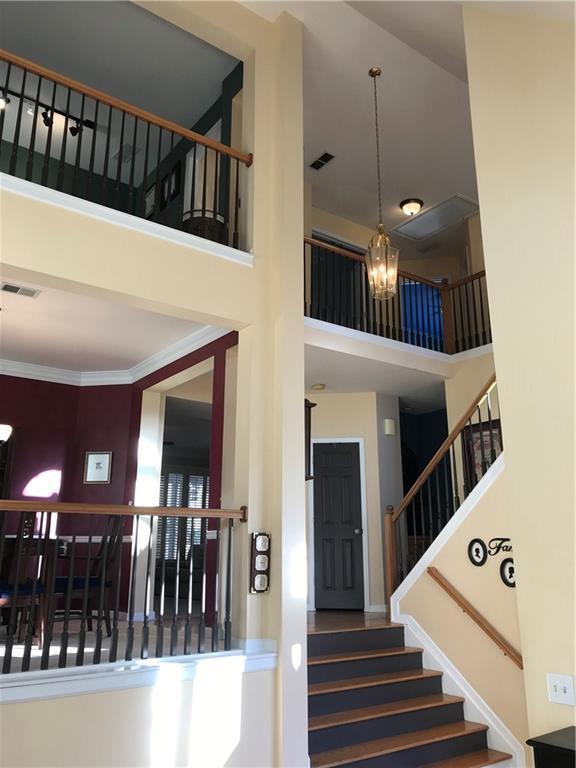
(430,315)
(131,204)
(51,602)
(464,334)
(215,201)
(419,496)
(483,335)
(49,115)
(102,573)
(490,429)
(477,335)
(474,478)
(62,163)
(430,511)
(15,147)
(79,134)
(204,178)
(148,592)
(134,565)
(189,604)
(386,302)
(448,495)
(33,610)
(30,163)
(63,656)
(3,111)
(411,550)
(105,179)
(119,162)
(85,597)
(485,464)
(118,549)
(145,172)
(236,235)
(89,175)
(438,515)
(202,622)
(174,627)
(160,616)
(228,614)
(216,619)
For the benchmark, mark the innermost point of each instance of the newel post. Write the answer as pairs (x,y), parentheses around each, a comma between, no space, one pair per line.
(448,319)
(389,555)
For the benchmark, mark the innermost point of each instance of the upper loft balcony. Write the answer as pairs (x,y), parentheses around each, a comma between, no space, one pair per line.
(149,135)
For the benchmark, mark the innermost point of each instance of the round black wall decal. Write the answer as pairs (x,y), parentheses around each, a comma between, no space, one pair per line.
(508,572)
(477,552)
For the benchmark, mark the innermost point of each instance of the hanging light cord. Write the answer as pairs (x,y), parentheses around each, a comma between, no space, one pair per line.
(377,151)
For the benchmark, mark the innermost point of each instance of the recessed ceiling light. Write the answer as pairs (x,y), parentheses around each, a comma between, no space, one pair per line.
(411,206)
(318,387)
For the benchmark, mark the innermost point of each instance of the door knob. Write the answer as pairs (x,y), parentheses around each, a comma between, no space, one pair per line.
(357,531)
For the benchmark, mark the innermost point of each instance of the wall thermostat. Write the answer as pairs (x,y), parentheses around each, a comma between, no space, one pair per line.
(260,563)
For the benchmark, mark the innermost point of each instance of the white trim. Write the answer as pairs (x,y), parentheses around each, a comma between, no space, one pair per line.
(125,220)
(364,513)
(499,736)
(75,681)
(200,338)
(454,683)
(446,533)
(469,354)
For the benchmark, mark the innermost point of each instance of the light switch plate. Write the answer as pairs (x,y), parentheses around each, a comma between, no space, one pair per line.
(561,689)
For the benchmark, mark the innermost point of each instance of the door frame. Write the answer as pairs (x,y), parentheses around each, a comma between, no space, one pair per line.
(364,514)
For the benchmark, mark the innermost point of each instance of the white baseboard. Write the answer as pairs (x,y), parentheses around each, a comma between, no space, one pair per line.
(454,683)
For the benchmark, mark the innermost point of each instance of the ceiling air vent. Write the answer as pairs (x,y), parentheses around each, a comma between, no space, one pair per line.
(321,161)
(437,218)
(20,290)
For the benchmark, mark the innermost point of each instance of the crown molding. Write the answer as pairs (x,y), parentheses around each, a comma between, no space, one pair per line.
(200,338)
(120,219)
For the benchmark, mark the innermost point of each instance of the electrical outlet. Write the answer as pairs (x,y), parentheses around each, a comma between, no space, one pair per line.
(561,689)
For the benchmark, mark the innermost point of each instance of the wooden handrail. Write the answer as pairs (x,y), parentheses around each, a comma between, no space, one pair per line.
(69,508)
(435,460)
(476,616)
(468,279)
(357,257)
(124,106)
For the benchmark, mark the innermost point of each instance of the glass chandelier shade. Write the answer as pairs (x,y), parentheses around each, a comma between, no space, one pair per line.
(381,257)
(382,266)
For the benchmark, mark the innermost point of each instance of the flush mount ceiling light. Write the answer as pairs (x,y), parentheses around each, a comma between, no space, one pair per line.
(4,100)
(381,257)
(411,206)
(319,387)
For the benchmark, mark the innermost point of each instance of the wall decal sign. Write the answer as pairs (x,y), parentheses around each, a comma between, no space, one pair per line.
(477,552)
(508,572)
(499,545)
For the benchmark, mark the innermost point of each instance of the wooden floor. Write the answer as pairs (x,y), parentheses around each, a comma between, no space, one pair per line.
(334,621)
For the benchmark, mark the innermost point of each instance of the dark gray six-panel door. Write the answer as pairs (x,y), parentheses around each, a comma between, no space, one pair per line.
(338,563)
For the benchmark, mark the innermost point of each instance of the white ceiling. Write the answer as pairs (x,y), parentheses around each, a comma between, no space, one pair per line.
(434,29)
(341,372)
(80,333)
(120,49)
(424,113)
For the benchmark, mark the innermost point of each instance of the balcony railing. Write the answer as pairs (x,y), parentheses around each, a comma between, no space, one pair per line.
(440,316)
(86,584)
(64,135)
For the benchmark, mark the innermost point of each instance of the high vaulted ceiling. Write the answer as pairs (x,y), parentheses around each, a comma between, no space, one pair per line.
(120,49)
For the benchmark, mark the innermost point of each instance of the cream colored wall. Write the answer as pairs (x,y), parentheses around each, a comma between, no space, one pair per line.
(264,303)
(475,245)
(468,378)
(354,415)
(211,721)
(496,679)
(521,78)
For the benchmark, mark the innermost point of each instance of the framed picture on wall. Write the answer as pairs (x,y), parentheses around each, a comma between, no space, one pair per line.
(98,467)
(482,444)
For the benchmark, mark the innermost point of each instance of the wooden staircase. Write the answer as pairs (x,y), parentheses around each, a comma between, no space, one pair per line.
(372,705)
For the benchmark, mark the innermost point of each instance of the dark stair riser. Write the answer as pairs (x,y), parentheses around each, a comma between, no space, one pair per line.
(339,701)
(429,753)
(342,670)
(367,640)
(378,728)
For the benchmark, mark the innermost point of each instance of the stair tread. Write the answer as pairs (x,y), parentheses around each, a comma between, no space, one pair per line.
(337,630)
(472,759)
(391,744)
(382,710)
(357,655)
(368,681)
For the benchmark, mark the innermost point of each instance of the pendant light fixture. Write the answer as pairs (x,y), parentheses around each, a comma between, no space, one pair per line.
(381,257)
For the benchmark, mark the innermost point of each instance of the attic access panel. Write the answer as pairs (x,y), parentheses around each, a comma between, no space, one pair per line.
(437,218)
